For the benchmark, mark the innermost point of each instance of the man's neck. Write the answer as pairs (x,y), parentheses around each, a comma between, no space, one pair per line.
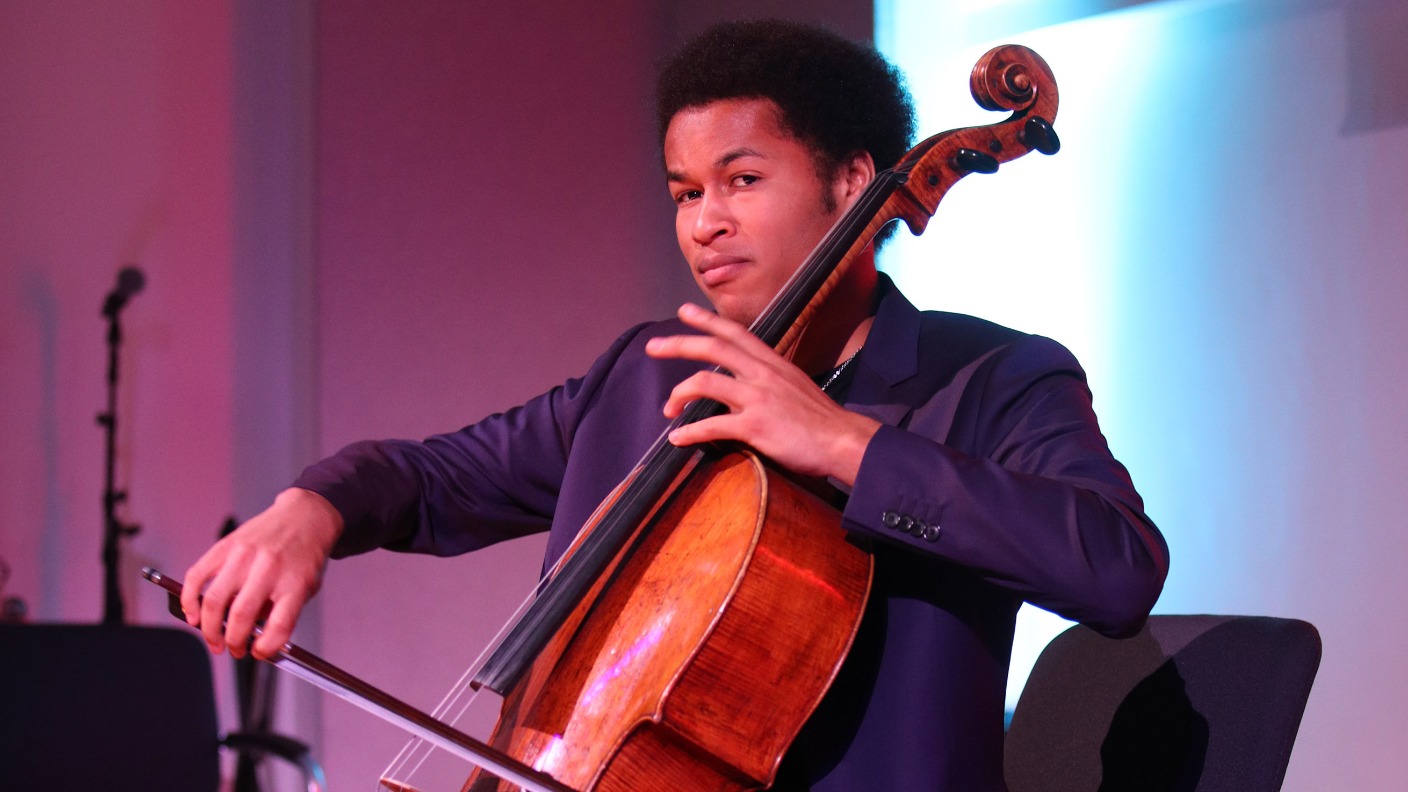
(842,323)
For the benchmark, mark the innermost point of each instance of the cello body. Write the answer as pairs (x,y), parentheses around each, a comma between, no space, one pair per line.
(718,634)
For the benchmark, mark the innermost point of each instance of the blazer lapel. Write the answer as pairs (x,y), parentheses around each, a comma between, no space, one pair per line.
(889,358)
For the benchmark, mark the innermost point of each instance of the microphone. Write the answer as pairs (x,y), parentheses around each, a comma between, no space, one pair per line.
(130,280)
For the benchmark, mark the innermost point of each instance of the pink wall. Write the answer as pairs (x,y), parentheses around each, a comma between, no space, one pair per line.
(115,150)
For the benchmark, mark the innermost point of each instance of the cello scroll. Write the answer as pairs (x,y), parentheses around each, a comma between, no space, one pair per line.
(1010,77)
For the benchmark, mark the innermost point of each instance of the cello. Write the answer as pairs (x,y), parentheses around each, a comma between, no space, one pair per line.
(709,582)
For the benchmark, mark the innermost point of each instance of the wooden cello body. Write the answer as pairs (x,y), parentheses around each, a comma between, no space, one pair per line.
(695,635)
(712,644)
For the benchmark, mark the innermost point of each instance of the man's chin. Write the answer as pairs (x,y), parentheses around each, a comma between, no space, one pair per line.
(731,310)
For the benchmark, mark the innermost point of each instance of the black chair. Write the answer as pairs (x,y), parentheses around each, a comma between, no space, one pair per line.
(1205,703)
(116,708)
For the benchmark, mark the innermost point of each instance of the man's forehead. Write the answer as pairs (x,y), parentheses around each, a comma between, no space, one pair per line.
(722,161)
(721,132)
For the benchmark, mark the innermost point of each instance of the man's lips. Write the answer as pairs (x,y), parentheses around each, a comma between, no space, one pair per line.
(717,270)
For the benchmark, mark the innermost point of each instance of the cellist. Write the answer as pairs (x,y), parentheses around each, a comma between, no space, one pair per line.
(968,453)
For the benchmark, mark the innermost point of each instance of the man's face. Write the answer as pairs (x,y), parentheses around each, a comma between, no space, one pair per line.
(749,205)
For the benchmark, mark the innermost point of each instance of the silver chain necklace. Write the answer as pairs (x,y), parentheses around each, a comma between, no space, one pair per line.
(835,375)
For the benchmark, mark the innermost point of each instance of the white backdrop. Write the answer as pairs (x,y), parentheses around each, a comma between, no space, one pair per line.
(1222,242)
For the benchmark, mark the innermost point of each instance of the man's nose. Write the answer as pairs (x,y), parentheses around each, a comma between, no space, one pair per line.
(714,220)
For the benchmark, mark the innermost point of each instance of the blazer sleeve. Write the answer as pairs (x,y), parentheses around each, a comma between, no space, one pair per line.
(451,493)
(1035,504)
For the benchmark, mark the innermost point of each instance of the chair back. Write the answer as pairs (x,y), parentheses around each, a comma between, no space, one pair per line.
(1189,704)
(110,708)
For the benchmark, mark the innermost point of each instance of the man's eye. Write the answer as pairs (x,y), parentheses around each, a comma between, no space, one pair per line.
(686,196)
(744,180)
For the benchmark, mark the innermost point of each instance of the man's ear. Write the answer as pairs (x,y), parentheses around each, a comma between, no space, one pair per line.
(854,173)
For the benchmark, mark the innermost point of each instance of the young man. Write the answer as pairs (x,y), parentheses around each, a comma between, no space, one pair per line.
(971,457)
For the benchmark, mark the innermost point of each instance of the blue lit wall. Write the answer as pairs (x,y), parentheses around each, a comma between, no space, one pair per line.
(1222,242)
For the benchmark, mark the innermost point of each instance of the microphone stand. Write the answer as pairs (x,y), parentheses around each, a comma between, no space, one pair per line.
(113,527)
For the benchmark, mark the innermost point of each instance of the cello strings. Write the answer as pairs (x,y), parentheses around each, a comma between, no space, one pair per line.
(452,697)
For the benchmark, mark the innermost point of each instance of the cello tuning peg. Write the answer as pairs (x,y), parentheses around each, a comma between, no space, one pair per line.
(1038,134)
(970,161)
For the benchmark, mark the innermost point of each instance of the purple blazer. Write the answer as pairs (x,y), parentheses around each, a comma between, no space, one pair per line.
(989,485)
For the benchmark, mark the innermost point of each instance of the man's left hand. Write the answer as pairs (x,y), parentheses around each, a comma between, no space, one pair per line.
(774,407)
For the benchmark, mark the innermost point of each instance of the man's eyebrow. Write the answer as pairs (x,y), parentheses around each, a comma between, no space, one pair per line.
(736,154)
(721,162)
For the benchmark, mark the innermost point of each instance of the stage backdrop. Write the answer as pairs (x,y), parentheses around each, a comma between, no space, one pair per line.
(365,219)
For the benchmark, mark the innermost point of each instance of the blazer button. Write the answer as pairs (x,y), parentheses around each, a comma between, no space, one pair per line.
(907,524)
(930,533)
(890,519)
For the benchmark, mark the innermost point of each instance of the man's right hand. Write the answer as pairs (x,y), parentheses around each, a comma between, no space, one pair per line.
(266,569)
